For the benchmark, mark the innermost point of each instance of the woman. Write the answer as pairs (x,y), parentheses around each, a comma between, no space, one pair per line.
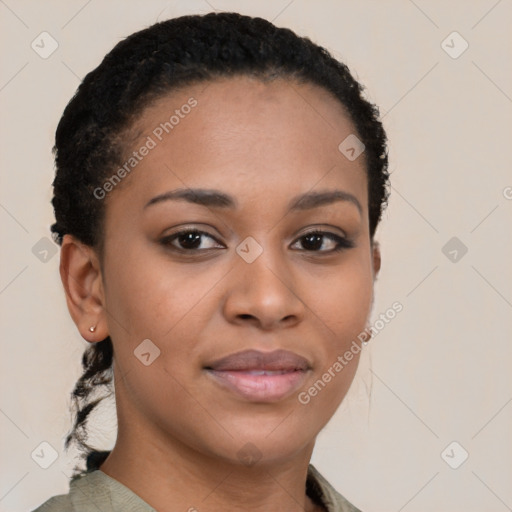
(219,183)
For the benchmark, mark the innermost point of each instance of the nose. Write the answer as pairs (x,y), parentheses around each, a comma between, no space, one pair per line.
(262,293)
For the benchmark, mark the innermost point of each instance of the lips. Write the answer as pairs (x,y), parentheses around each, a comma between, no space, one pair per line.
(260,376)
(254,360)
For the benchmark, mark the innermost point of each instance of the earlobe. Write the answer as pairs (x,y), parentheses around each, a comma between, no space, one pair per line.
(81,277)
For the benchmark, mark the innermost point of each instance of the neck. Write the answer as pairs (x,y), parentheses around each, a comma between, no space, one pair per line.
(176,474)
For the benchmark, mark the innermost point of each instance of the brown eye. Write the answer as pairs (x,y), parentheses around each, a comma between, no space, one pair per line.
(315,240)
(190,240)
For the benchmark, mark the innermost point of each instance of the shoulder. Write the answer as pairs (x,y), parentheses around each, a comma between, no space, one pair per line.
(60,503)
(94,491)
(66,502)
(84,495)
(321,489)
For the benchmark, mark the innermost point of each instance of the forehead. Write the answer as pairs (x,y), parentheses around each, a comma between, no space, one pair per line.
(261,141)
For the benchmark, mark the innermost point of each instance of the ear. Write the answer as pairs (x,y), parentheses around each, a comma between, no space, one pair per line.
(81,276)
(376,258)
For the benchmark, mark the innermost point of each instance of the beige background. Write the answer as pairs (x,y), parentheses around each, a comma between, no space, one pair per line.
(438,373)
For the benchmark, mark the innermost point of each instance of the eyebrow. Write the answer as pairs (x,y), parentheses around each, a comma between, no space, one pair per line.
(217,199)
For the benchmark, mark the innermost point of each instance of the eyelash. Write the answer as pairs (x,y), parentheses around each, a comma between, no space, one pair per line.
(342,243)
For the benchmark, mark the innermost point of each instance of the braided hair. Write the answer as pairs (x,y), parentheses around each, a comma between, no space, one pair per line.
(91,135)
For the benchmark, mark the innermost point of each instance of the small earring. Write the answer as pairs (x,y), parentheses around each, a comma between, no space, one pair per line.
(367,337)
(92,328)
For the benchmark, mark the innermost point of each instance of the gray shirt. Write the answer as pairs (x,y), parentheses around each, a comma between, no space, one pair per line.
(98,492)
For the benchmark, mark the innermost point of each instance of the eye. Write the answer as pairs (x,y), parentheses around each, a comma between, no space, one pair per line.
(194,240)
(189,240)
(315,240)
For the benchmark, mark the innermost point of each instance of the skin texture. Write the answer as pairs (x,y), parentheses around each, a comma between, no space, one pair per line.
(180,433)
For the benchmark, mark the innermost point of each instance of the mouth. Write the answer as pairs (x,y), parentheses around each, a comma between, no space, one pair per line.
(260,376)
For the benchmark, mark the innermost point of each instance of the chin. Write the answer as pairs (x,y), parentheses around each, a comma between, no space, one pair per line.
(264,442)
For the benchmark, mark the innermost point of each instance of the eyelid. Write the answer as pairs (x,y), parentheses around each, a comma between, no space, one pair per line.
(200,228)
(326,229)
(323,228)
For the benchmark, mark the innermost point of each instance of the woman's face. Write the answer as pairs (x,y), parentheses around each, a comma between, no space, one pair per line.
(251,280)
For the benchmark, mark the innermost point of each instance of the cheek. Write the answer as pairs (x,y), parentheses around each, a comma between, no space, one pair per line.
(343,309)
(148,297)
(344,300)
